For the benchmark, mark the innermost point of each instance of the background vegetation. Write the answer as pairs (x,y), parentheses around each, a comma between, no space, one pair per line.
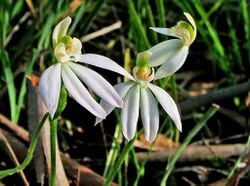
(219,60)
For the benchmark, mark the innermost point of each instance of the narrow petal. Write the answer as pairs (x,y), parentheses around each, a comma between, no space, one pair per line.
(97,83)
(122,89)
(61,30)
(50,87)
(76,47)
(149,114)
(60,53)
(130,112)
(104,62)
(163,51)
(80,93)
(166,31)
(191,20)
(173,63)
(167,103)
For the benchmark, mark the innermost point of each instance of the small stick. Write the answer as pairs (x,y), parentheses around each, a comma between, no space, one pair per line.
(101,32)
(213,96)
(195,153)
(20,132)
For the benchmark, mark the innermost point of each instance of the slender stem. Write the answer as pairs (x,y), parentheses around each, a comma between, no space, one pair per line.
(119,162)
(53,135)
(182,147)
(30,152)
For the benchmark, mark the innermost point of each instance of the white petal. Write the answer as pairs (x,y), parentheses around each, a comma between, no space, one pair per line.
(165,31)
(104,62)
(149,114)
(60,53)
(163,51)
(80,93)
(173,63)
(61,30)
(50,87)
(97,83)
(191,20)
(76,47)
(167,103)
(122,89)
(130,112)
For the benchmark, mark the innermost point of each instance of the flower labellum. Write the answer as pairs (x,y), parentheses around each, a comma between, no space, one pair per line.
(68,54)
(140,98)
(171,54)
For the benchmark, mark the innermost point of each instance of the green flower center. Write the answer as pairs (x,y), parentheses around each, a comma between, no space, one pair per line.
(185,31)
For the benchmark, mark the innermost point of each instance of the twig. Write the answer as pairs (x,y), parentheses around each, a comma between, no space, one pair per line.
(213,96)
(17,26)
(17,130)
(12,155)
(101,32)
(195,153)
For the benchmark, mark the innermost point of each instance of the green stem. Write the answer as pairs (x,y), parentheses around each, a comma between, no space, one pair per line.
(53,135)
(30,152)
(119,162)
(182,147)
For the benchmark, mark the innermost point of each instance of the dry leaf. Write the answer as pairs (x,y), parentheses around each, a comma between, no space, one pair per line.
(160,143)
(34,80)
(200,88)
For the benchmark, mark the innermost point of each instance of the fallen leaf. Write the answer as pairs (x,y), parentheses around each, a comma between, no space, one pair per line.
(161,142)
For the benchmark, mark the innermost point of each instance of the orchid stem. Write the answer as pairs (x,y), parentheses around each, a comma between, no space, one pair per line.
(30,152)
(53,135)
(119,162)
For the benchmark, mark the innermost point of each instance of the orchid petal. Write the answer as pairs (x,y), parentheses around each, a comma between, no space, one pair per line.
(76,47)
(61,30)
(60,53)
(172,64)
(80,93)
(97,83)
(50,86)
(122,89)
(130,112)
(166,31)
(167,103)
(105,63)
(163,51)
(191,20)
(149,114)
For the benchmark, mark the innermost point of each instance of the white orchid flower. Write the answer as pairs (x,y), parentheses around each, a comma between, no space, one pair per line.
(67,70)
(141,96)
(171,54)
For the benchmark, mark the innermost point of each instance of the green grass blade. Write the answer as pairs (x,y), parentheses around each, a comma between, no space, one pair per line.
(245,14)
(161,13)
(151,21)
(114,151)
(119,161)
(138,24)
(78,17)
(233,36)
(213,34)
(188,139)
(89,19)
(10,84)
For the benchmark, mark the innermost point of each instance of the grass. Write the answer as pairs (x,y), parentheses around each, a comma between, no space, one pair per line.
(29,45)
